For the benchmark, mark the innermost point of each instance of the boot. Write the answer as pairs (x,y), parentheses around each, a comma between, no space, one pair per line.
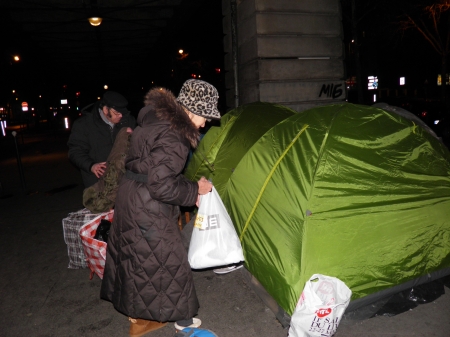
(139,327)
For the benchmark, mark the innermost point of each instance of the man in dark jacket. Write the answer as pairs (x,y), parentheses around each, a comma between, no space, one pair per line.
(93,135)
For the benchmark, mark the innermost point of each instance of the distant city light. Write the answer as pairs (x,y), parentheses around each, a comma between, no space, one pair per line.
(66,122)
(105,87)
(181,51)
(402,81)
(16,58)
(3,123)
(439,80)
(374,97)
(64,101)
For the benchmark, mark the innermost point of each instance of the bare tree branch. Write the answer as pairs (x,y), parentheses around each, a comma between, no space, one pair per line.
(429,24)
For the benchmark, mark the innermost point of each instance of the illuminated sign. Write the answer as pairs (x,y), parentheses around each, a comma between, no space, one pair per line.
(373,82)
(439,80)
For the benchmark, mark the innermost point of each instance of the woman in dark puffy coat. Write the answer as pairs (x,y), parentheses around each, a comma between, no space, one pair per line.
(147,275)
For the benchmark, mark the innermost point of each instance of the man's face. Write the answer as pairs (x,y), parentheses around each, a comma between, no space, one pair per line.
(112,115)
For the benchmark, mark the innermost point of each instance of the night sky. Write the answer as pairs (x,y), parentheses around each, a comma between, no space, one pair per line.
(385,52)
(197,30)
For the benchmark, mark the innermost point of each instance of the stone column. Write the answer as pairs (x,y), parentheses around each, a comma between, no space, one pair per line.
(283,51)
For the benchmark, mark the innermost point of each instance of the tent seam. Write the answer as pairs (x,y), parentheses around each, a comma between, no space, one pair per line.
(268,179)
(319,157)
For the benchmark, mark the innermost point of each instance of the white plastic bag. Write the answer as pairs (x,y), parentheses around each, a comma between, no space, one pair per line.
(214,240)
(320,308)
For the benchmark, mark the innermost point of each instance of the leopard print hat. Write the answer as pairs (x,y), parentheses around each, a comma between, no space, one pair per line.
(200,98)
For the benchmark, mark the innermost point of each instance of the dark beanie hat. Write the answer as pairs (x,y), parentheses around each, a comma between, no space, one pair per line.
(116,101)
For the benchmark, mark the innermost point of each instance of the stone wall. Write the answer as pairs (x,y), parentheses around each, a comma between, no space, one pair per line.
(283,51)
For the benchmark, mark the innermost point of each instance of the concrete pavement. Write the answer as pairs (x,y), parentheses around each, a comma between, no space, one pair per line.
(41,297)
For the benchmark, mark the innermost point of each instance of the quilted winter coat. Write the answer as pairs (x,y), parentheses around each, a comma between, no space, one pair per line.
(147,274)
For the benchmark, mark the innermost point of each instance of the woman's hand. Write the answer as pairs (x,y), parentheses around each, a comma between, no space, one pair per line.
(204,186)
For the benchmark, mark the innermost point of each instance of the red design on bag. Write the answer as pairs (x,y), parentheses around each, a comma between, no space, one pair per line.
(323,312)
(95,250)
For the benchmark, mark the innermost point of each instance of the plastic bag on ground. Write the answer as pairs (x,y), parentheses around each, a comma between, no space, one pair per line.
(320,308)
(195,332)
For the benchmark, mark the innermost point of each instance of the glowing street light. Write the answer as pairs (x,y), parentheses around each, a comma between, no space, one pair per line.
(16,58)
(95,21)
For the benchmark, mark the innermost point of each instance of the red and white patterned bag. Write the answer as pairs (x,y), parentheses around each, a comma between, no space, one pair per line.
(95,250)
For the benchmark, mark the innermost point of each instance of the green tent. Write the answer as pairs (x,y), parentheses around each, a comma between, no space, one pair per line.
(350,191)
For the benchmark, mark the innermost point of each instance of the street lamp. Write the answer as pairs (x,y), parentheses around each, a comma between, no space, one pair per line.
(95,21)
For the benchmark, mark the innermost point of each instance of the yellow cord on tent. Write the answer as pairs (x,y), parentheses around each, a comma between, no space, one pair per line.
(414,127)
(268,178)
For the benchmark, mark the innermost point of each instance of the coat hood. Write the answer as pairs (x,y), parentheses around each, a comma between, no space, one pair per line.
(161,104)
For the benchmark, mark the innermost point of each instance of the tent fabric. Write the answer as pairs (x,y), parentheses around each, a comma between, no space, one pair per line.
(406,114)
(350,191)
